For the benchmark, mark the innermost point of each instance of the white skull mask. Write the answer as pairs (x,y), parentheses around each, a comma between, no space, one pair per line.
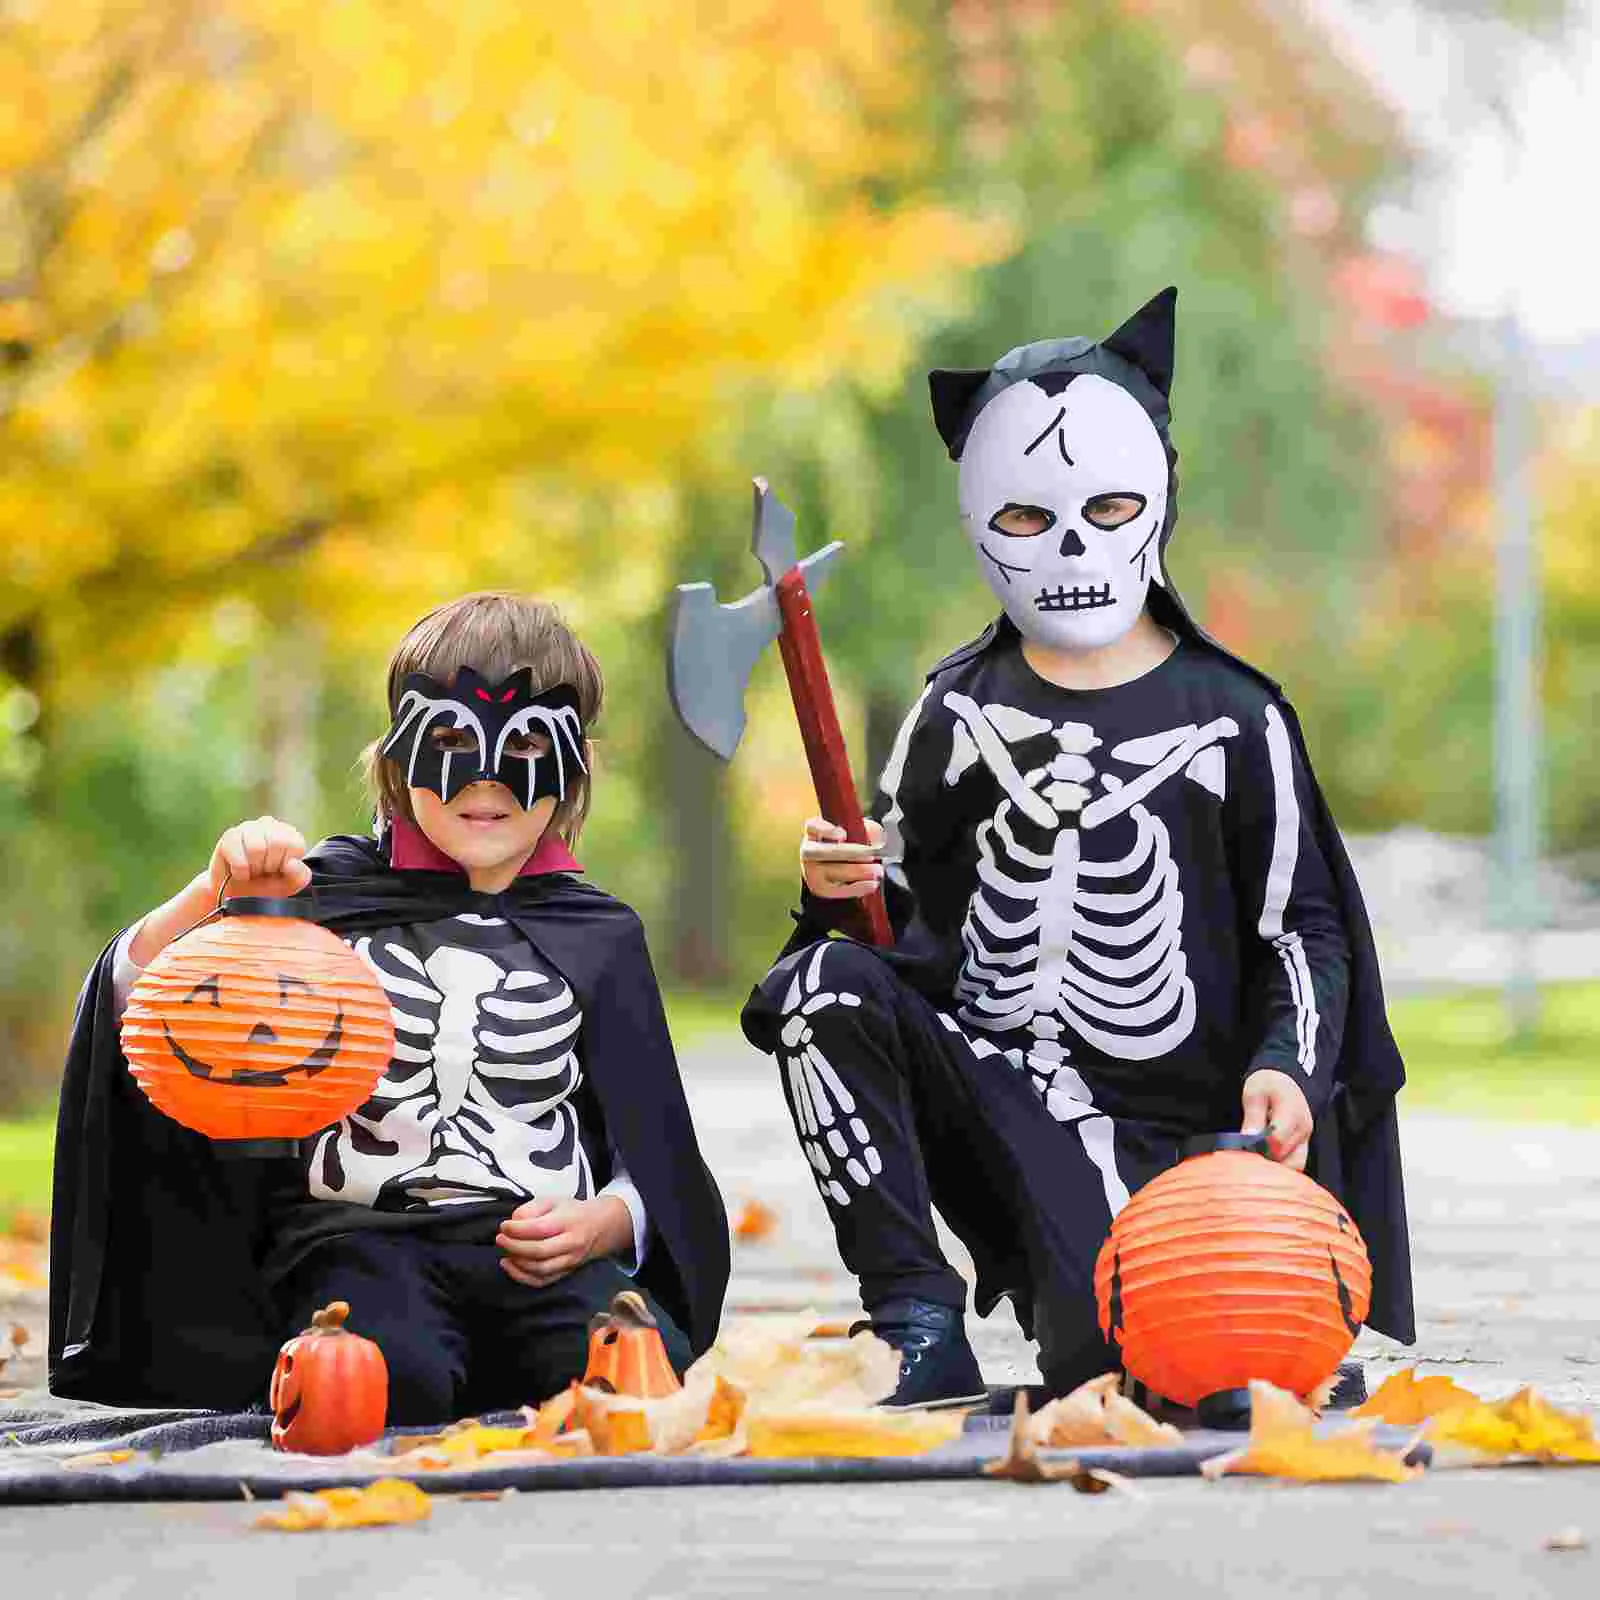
(1063,492)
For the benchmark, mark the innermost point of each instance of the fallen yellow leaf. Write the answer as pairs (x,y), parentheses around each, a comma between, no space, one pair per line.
(100,1458)
(615,1429)
(1096,1414)
(461,1444)
(755,1222)
(1525,1426)
(723,1414)
(1021,1462)
(1406,1399)
(389,1500)
(1284,1444)
(865,1433)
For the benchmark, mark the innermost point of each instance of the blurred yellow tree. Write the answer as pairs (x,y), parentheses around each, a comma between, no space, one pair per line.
(306,297)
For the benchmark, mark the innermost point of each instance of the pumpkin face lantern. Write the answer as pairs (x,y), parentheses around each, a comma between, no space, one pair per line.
(1230,1267)
(626,1354)
(259,1025)
(330,1388)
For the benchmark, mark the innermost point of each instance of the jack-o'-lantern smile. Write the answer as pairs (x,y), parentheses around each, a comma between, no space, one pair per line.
(262,1035)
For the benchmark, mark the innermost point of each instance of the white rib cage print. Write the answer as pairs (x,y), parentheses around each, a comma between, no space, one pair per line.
(478,1099)
(1065,938)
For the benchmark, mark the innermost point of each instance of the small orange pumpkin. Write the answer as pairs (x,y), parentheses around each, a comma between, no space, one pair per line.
(259,1025)
(330,1388)
(626,1354)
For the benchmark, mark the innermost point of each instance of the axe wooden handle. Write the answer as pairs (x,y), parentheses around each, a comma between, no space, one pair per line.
(866,919)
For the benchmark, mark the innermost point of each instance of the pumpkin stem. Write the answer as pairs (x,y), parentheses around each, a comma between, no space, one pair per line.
(628,1310)
(331,1318)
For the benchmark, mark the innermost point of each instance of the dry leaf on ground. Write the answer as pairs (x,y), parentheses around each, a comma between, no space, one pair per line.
(779,1369)
(755,1222)
(464,1443)
(1021,1463)
(818,1431)
(1284,1444)
(1096,1414)
(1406,1399)
(100,1458)
(1567,1539)
(1524,1427)
(389,1500)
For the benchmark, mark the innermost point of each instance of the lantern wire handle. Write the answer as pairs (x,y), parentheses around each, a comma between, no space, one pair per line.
(213,913)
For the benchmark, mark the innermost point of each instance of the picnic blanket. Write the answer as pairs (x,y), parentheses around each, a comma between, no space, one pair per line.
(197,1455)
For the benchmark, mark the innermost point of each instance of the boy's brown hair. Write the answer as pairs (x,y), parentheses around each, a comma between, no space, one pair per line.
(495,632)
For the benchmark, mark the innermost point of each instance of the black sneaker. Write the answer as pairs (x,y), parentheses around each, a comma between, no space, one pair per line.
(937,1366)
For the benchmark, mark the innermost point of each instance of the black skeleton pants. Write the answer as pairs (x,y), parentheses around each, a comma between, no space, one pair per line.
(457,1334)
(899,1113)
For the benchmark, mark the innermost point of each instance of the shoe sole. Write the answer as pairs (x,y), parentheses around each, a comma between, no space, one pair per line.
(948,1403)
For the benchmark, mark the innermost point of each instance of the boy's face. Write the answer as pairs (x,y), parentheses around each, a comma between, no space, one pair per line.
(1063,495)
(484,826)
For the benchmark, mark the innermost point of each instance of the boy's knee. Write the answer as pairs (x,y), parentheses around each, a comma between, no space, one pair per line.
(825,983)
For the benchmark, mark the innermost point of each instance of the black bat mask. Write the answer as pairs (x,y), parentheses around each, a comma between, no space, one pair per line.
(446,736)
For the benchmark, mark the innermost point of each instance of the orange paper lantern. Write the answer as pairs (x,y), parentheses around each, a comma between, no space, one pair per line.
(1230,1267)
(626,1354)
(258,1025)
(330,1388)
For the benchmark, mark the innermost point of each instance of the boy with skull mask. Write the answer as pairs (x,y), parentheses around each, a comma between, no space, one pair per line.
(1124,917)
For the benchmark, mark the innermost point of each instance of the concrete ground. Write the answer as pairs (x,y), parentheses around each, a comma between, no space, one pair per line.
(1505,1222)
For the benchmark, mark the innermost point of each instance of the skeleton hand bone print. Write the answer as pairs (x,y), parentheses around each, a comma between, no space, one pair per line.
(835,1139)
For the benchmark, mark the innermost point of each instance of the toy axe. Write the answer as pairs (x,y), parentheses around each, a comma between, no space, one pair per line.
(714,648)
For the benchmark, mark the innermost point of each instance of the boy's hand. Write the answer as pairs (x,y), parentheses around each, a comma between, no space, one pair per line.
(840,880)
(263,857)
(1276,1105)
(544,1240)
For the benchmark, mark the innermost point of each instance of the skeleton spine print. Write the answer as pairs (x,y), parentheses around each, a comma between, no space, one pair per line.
(478,1100)
(1075,926)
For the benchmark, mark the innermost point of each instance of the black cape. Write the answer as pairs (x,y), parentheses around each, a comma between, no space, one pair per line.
(157,1235)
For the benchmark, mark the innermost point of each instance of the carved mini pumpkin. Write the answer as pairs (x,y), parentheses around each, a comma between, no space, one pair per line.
(259,1025)
(626,1354)
(330,1388)
(1230,1267)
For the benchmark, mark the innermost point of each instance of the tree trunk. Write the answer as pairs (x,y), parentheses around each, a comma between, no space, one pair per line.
(289,689)
(694,797)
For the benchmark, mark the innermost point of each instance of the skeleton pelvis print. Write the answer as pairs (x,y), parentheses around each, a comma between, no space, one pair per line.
(1075,931)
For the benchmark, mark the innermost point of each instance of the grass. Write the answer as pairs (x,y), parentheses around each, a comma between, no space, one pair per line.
(25,1167)
(1459,1058)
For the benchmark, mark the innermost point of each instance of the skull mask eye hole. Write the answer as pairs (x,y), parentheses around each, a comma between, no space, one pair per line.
(1108,511)
(1022,522)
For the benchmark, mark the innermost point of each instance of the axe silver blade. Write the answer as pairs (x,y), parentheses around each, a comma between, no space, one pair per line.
(771,532)
(713,651)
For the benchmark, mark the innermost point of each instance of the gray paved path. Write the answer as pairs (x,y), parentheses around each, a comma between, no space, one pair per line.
(1506,1224)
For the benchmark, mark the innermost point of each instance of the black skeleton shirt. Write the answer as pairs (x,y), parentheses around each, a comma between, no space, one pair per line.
(1120,889)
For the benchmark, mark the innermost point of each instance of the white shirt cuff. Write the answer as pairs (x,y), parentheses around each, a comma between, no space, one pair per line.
(623,1188)
(125,970)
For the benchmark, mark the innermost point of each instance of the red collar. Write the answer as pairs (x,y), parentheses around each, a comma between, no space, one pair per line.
(411,850)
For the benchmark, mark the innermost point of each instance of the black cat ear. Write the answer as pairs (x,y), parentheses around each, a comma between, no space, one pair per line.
(952,393)
(1146,339)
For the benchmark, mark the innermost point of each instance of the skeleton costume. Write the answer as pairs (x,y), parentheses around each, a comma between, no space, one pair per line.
(531,1060)
(1111,905)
